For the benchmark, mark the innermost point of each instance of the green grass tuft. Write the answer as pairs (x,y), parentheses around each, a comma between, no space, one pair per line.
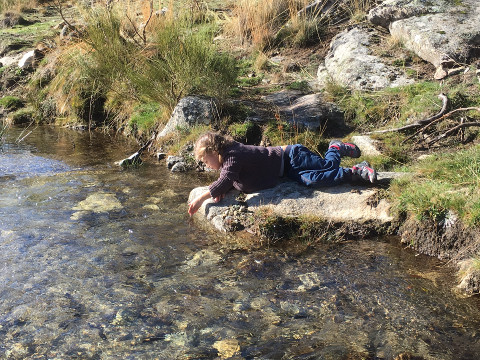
(443,182)
(145,116)
(11,102)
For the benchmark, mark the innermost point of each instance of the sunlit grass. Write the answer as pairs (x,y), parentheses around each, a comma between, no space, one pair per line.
(442,183)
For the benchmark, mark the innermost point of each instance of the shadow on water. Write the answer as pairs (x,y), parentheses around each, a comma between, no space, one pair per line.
(103,263)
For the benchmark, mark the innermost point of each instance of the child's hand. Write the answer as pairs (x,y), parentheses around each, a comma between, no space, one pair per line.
(195,204)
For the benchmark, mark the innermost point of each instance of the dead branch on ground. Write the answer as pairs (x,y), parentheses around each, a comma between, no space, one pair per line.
(427,124)
(418,123)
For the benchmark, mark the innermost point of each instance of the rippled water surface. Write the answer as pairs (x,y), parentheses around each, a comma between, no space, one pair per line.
(103,263)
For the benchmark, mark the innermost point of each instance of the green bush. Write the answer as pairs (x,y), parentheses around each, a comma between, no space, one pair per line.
(177,59)
(183,61)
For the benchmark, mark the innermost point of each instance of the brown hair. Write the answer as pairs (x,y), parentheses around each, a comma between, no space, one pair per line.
(211,142)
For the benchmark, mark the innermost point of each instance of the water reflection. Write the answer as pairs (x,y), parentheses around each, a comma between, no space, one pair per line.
(102,263)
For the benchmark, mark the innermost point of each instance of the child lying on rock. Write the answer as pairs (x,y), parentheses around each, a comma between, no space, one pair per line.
(251,168)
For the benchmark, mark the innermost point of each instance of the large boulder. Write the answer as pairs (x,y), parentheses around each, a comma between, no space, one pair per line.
(190,111)
(351,63)
(347,203)
(308,111)
(444,33)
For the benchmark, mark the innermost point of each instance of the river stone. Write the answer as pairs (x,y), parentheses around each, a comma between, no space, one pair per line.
(227,348)
(190,111)
(97,203)
(307,111)
(349,62)
(172,160)
(179,167)
(357,203)
(442,39)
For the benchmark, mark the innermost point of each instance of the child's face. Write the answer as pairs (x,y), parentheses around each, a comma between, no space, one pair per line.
(212,160)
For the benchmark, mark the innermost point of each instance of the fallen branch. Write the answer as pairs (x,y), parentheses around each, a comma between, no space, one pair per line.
(135,159)
(452,130)
(418,123)
(439,119)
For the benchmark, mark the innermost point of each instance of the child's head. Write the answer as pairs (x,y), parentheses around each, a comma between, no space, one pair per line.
(211,143)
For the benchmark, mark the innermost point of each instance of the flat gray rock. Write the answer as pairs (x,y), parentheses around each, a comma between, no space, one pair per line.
(344,203)
(307,111)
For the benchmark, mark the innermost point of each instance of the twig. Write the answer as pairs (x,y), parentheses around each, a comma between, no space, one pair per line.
(136,31)
(418,123)
(145,27)
(439,119)
(452,130)
(58,5)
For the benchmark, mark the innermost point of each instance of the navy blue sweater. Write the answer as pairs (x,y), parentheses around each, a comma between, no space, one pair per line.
(247,168)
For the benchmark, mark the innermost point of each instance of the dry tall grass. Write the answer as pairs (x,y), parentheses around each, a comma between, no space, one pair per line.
(17,5)
(267,23)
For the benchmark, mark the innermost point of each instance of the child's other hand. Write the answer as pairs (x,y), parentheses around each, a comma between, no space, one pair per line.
(218,198)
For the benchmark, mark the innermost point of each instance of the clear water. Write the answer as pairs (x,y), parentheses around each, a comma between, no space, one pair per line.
(103,263)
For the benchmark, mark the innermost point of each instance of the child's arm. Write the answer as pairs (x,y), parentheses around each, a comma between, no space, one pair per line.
(195,204)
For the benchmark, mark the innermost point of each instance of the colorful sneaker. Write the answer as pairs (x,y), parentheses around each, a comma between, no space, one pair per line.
(346,149)
(365,172)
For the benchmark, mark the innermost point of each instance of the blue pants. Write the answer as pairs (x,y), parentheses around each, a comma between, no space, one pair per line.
(310,169)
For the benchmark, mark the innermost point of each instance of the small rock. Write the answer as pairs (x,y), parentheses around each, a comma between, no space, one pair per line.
(27,59)
(179,167)
(227,348)
(172,160)
(292,67)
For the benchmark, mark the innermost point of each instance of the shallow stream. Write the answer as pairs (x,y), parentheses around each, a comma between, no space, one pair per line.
(98,262)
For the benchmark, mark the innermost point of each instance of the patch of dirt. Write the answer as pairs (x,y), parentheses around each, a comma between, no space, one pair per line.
(440,239)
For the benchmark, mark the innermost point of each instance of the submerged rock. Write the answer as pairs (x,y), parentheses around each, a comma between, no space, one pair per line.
(97,203)
(227,348)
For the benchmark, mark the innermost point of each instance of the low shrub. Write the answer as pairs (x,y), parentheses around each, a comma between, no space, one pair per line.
(176,59)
